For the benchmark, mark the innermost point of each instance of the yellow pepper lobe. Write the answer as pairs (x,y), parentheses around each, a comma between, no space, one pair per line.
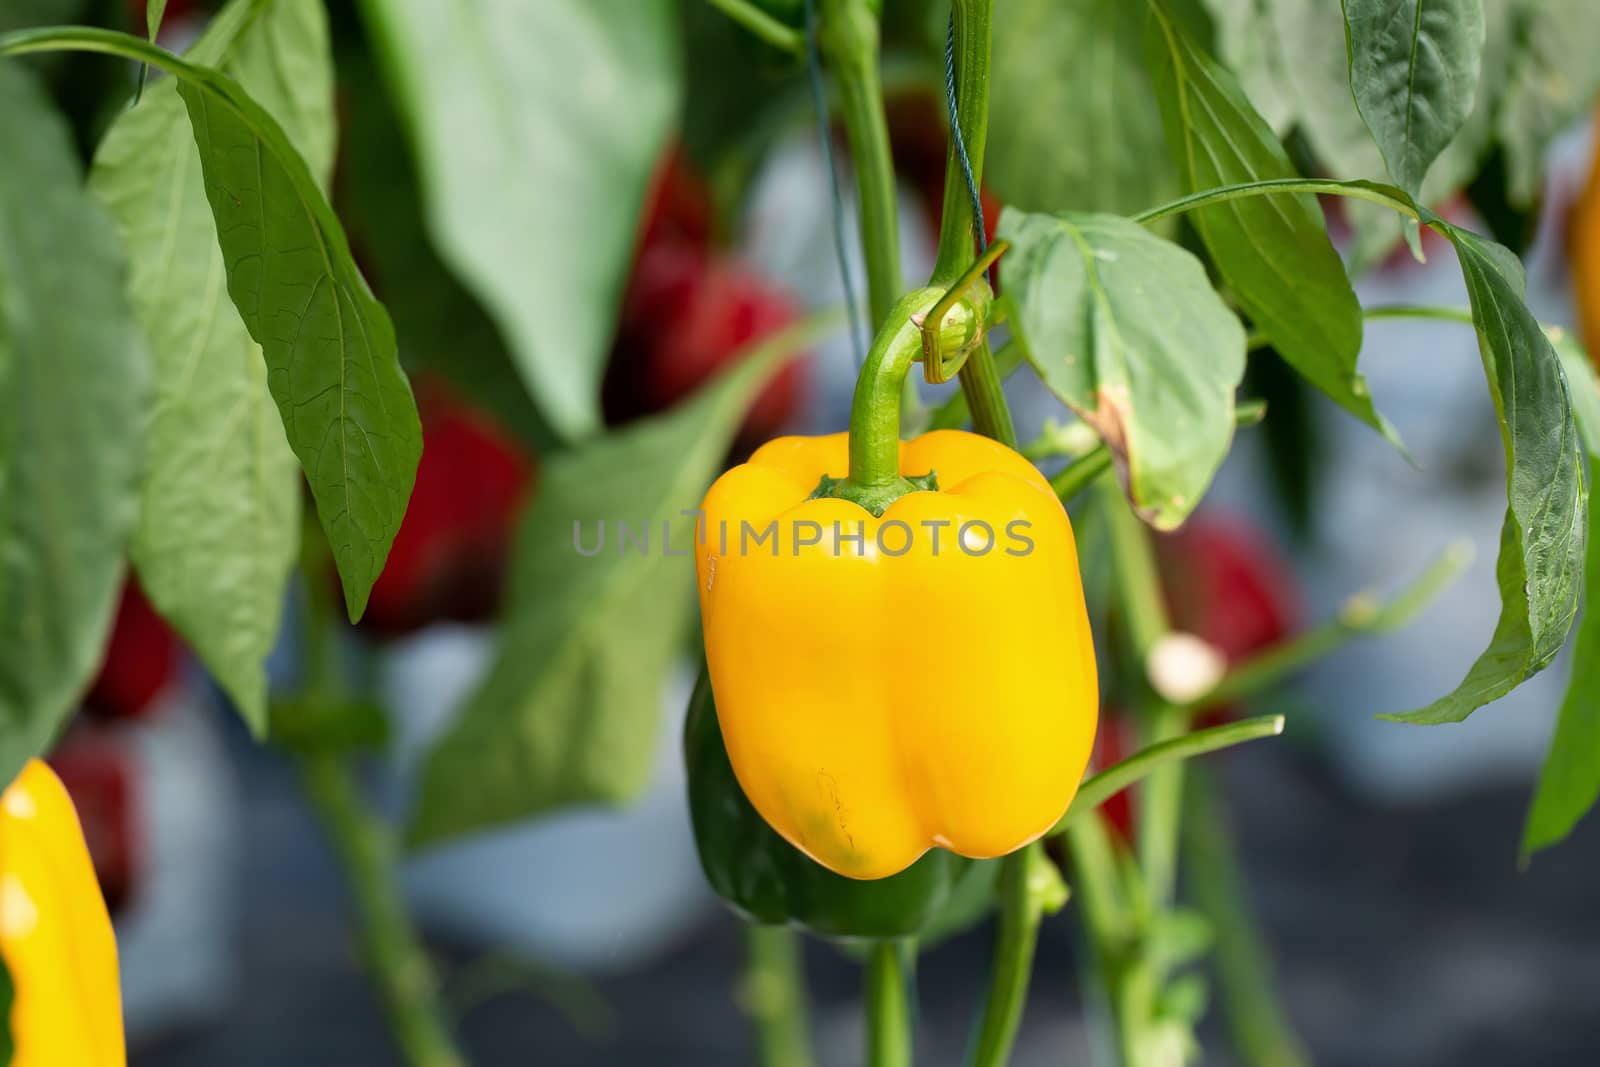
(888,684)
(55,935)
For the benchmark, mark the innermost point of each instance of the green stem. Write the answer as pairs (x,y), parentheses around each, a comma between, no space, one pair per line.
(1261,1034)
(395,960)
(875,480)
(775,995)
(980,381)
(365,847)
(1377,194)
(1133,558)
(1420,311)
(1101,787)
(1102,890)
(1021,911)
(1361,615)
(958,234)
(847,34)
(888,1005)
(954,413)
(762,25)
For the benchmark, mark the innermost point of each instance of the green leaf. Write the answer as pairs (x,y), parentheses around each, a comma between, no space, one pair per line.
(1414,67)
(1074,125)
(331,357)
(536,128)
(219,511)
(1125,328)
(567,713)
(73,403)
(1274,252)
(1552,83)
(1542,540)
(154,12)
(1569,783)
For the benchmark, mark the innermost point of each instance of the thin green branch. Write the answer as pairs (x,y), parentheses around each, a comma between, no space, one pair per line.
(773,994)
(1101,787)
(762,25)
(1420,311)
(889,1005)
(1362,615)
(1021,911)
(1376,194)
(847,34)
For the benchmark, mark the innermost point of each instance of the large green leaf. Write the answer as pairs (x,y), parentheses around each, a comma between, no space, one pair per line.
(1292,57)
(1125,328)
(567,713)
(1074,125)
(1274,252)
(74,380)
(219,514)
(536,126)
(1414,67)
(1569,784)
(1553,81)
(330,349)
(1542,540)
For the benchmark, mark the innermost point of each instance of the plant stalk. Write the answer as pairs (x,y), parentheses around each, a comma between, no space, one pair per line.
(1021,911)
(774,995)
(365,846)
(393,955)
(889,1005)
(980,381)
(848,34)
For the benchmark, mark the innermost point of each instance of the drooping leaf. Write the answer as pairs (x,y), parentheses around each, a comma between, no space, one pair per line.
(1553,80)
(1569,783)
(74,380)
(1073,125)
(567,712)
(1274,252)
(536,127)
(1414,67)
(1125,328)
(332,364)
(154,12)
(219,513)
(1542,540)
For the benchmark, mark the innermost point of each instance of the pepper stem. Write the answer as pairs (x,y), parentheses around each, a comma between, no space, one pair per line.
(875,480)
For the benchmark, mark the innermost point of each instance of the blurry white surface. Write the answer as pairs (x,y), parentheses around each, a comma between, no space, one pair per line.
(594,890)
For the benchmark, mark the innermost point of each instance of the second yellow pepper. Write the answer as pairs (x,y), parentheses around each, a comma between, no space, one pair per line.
(55,935)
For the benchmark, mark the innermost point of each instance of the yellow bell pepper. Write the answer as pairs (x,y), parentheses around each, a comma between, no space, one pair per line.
(907,666)
(55,935)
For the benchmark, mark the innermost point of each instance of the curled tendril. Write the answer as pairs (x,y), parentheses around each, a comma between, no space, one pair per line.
(953,327)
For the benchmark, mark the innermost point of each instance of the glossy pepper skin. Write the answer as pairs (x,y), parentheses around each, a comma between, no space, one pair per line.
(55,935)
(883,697)
(766,880)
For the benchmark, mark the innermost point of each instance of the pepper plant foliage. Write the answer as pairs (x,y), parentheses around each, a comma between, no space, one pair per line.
(185,335)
